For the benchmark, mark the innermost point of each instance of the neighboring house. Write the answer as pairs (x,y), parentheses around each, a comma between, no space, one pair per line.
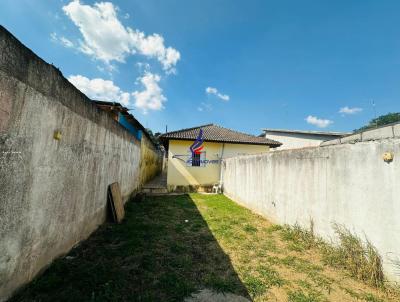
(195,154)
(292,139)
(151,156)
(121,115)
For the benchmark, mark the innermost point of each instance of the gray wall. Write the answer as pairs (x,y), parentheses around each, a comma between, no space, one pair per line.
(346,183)
(297,140)
(52,193)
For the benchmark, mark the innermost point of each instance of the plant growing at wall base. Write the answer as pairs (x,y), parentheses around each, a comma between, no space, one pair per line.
(360,258)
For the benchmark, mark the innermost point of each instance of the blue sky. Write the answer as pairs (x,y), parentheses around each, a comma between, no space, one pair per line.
(266,64)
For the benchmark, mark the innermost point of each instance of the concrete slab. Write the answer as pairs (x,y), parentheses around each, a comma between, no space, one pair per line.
(396,129)
(380,133)
(331,142)
(158,182)
(351,139)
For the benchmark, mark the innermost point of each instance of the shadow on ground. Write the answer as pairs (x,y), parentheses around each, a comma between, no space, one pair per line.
(163,251)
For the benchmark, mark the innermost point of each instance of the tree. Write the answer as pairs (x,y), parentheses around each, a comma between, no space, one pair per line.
(154,137)
(381,121)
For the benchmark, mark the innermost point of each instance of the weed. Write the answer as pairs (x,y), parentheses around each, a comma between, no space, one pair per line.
(322,282)
(300,239)
(274,228)
(270,245)
(296,247)
(249,229)
(305,296)
(304,284)
(270,276)
(255,286)
(361,259)
(273,260)
(300,265)
(362,296)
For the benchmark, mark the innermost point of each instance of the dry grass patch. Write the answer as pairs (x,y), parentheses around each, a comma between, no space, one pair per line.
(293,259)
(360,258)
(169,247)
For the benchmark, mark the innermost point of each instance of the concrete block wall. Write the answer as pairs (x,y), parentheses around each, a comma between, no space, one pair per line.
(389,131)
(52,192)
(345,183)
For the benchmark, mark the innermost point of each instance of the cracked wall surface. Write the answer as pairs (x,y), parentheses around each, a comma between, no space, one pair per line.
(52,192)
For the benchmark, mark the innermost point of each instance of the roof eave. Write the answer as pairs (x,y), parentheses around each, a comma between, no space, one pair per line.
(306,132)
(277,144)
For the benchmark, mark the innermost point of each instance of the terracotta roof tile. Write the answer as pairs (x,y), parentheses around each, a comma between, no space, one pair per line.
(215,133)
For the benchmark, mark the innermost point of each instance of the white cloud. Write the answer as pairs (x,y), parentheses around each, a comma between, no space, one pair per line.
(211,90)
(62,40)
(106,39)
(348,110)
(214,91)
(204,107)
(99,89)
(151,97)
(66,42)
(321,123)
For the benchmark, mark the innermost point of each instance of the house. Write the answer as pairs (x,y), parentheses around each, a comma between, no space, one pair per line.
(195,154)
(151,155)
(121,115)
(292,139)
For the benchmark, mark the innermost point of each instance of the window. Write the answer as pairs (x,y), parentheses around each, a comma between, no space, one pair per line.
(196,160)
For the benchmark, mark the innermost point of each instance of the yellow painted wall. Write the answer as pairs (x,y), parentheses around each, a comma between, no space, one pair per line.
(150,161)
(179,174)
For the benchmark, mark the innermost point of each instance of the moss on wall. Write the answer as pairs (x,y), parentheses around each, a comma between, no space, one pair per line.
(150,160)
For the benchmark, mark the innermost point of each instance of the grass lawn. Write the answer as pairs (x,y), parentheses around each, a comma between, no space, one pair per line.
(170,246)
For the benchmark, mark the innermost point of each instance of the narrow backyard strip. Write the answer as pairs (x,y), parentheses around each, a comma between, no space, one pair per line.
(169,247)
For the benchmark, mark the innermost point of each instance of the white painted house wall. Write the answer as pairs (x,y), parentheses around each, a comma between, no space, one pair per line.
(294,140)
